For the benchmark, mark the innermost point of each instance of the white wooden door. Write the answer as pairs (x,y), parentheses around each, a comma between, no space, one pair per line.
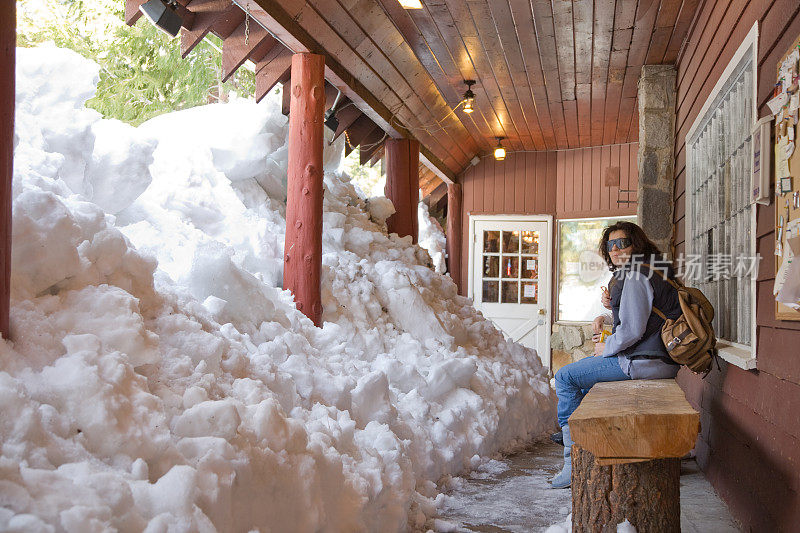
(510,275)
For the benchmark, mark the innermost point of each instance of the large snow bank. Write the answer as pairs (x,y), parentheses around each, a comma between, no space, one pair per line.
(159,379)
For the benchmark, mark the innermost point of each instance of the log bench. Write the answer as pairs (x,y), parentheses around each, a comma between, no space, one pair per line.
(629,437)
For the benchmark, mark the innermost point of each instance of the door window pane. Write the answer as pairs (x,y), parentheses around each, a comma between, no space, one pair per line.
(491,266)
(490,291)
(530,267)
(530,293)
(491,241)
(510,266)
(510,241)
(510,292)
(530,242)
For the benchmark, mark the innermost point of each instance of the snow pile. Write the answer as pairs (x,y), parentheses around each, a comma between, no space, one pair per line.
(432,239)
(159,379)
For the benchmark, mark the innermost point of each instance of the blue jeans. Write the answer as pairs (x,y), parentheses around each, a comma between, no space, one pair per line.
(574,380)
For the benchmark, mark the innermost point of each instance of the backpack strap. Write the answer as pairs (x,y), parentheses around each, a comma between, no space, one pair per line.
(665,278)
(656,310)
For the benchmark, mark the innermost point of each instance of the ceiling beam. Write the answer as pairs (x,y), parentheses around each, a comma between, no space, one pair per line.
(271,15)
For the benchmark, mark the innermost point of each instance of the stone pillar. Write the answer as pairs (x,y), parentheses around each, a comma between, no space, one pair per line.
(8,43)
(656,159)
(302,262)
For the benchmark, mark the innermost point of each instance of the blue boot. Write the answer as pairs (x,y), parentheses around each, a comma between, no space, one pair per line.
(564,478)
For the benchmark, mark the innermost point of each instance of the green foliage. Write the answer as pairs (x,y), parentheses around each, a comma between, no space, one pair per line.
(142,73)
(370,180)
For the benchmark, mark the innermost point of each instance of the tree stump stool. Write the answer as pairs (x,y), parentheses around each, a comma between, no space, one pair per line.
(629,438)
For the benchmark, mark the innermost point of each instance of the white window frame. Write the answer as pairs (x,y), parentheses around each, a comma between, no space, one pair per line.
(741,355)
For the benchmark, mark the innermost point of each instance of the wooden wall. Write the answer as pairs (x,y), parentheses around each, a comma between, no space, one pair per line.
(564,184)
(749,444)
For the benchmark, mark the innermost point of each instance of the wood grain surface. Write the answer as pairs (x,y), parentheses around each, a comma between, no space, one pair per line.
(627,421)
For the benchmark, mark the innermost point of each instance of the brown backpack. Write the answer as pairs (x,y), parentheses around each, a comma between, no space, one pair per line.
(689,339)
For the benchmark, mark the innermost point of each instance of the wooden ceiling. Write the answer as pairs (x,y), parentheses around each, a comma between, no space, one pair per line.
(551,74)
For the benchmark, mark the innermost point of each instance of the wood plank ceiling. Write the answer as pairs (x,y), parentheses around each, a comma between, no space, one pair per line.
(551,74)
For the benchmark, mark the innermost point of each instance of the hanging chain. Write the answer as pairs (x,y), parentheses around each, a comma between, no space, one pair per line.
(247,24)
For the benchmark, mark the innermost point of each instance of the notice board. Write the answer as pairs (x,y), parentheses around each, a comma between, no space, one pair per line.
(785,105)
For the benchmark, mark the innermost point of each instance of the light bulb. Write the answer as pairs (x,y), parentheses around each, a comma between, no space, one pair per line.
(499,153)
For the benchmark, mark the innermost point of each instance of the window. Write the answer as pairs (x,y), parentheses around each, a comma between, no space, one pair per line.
(581,268)
(720,228)
(510,261)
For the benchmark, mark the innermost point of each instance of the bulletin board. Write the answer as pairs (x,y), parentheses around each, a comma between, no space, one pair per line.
(785,105)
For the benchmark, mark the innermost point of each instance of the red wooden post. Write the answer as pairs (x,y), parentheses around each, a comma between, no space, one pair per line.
(454,232)
(402,186)
(302,260)
(8,43)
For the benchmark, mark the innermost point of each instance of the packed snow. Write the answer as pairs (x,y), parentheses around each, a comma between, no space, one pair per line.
(432,238)
(158,377)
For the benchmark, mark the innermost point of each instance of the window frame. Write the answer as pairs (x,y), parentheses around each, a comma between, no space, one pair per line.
(738,354)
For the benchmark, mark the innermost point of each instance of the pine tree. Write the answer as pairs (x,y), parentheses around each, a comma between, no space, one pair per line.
(142,73)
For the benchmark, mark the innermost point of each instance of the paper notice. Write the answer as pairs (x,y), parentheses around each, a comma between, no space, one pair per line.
(529,291)
(794,102)
(790,289)
(794,245)
(781,161)
(530,264)
(777,103)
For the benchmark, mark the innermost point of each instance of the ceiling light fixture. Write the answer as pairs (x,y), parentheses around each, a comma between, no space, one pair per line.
(164,14)
(411,4)
(469,97)
(499,151)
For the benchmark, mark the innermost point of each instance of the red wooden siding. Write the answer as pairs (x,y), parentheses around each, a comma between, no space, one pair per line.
(749,444)
(565,184)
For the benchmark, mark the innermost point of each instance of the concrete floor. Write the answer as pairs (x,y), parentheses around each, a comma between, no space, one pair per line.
(513,495)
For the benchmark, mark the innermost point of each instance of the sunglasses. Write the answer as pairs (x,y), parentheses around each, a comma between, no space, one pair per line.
(624,242)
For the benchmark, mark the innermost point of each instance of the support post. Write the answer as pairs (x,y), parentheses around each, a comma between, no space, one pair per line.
(302,260)
(656,158)
(402,186)
(8,43)
(454,232)
(646,493)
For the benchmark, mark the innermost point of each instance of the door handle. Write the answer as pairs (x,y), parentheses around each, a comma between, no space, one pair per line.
(542,312)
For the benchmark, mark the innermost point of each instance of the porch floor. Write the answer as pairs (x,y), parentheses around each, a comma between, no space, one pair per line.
(513,495)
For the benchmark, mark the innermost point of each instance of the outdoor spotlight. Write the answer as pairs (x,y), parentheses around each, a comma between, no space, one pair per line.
(499,151)
(163,13)
(469,97)
(411,4)
(330,120)
(330,115)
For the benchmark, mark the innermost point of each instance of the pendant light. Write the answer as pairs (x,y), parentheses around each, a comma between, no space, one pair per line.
(469,97)
(499,151)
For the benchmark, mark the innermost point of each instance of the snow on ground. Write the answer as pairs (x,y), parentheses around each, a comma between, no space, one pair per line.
(159,379)
(432,239)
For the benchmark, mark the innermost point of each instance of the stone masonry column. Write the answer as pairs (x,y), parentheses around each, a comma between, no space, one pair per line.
(656,159)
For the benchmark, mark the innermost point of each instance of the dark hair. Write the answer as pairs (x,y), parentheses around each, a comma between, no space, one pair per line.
(642,245)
